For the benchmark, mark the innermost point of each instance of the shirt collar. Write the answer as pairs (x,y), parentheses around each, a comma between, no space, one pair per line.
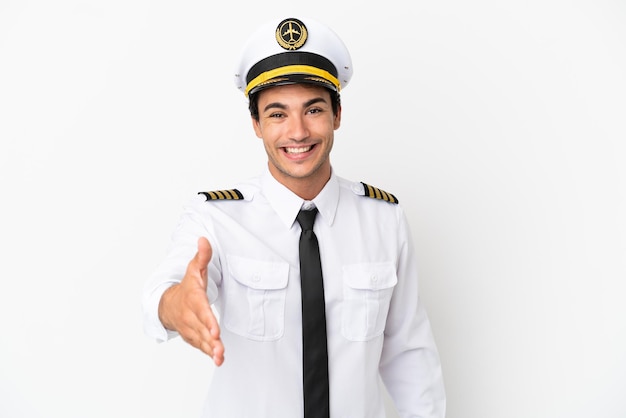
(287,204)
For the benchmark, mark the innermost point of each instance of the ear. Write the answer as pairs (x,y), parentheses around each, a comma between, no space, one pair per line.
(337,121)
(257,127)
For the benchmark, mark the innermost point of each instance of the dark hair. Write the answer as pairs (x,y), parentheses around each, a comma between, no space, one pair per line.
(253,103)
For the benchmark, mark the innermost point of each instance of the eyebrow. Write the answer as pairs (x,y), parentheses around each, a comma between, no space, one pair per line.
(279,105)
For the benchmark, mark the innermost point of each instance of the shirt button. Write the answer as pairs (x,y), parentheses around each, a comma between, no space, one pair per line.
(374,278)
(256,277)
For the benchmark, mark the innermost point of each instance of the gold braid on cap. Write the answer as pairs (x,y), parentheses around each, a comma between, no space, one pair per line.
(292,69)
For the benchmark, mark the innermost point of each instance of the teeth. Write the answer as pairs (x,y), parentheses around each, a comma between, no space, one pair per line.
(297,150)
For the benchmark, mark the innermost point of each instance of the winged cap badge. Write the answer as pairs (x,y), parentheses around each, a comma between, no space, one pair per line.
(291,34)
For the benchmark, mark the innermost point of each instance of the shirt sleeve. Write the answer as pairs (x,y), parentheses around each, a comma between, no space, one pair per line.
(183,247)
(410,366)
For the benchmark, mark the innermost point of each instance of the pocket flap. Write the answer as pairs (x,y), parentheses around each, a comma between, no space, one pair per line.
(370,276)
(258,274)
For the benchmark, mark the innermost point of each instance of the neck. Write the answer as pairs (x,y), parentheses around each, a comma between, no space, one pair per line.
(306,188)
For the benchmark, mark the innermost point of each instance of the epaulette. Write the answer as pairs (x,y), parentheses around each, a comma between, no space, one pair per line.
(376,193)
(232,194)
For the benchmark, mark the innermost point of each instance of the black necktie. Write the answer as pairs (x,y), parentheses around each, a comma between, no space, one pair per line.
(315,351)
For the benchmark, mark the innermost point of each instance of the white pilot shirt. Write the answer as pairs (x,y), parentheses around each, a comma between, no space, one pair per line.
(376,325)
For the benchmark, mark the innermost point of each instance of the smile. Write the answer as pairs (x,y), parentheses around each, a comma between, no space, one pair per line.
(298,150)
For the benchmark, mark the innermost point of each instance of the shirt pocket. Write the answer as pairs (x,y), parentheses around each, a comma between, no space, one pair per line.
(254,298)
(367,290)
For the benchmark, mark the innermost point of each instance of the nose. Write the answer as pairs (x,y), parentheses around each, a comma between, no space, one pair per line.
(298,130)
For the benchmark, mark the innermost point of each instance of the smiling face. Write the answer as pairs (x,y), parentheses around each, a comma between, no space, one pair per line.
(297,125)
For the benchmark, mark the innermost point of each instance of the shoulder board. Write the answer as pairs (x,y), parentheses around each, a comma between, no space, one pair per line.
(232,194)
(376,193)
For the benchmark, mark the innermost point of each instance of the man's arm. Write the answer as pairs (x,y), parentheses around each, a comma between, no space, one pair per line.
(410,364)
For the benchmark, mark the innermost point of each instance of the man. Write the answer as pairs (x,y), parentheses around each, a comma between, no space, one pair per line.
(244,253)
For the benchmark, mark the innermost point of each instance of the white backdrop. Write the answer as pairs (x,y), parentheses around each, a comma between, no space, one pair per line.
(499,125)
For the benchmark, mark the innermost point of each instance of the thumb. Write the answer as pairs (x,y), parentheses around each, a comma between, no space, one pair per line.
(197,268)
(203,256)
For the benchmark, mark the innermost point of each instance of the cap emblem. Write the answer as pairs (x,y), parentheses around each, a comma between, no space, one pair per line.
(291,34)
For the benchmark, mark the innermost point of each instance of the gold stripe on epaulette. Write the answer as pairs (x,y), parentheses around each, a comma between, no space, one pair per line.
(376,193)
(232,194)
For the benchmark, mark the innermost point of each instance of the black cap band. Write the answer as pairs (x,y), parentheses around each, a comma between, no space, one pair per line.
(290,58)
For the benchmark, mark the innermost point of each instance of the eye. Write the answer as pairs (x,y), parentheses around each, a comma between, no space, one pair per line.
(276,115)
(314,110)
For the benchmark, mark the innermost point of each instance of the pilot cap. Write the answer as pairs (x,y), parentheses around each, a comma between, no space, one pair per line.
(293,51)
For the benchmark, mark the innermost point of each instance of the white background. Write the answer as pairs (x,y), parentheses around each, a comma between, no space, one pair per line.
(499,125)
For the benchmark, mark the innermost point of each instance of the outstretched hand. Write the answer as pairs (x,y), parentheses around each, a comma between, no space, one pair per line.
(185,307)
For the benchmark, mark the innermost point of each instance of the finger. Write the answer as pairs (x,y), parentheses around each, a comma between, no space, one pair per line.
(210,323)
(211,335)
(210,345)
(203,256)
(218,353)
(215,350)
(198,335)
(197,267)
